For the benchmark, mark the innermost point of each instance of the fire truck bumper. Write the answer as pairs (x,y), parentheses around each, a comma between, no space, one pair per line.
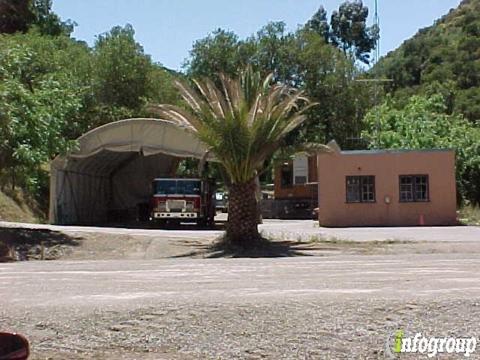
(172,215)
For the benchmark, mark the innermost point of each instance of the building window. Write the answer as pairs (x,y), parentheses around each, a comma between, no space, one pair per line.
(286,176)
(360,189)
(413,188)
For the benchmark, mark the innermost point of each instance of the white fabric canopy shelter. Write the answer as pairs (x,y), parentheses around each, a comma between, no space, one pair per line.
(112,170)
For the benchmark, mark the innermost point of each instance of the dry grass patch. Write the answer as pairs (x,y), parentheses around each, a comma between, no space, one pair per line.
(469,215)
(14,206)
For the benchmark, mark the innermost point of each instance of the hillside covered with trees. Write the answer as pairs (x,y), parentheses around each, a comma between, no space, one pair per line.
(444,57)
(434,98)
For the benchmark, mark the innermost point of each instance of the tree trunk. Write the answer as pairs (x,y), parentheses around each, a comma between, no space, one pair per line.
(242,225)
(13,178)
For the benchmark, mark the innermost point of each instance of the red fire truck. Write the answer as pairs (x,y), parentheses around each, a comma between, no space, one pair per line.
(176,200)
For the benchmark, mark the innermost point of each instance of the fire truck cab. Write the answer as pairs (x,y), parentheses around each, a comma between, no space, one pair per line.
(176,200)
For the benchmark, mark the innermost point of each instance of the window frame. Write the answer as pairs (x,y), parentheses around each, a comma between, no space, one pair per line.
(361,183)
(414,188)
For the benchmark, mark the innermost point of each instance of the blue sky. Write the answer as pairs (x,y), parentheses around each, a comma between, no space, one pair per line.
(168,28)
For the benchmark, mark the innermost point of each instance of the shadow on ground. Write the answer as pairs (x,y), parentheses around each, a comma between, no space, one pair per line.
(263,249)
(219,225)
(26,244)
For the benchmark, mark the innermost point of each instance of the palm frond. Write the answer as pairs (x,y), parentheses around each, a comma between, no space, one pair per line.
(313,148)
(242,122)
(189,95)
(175,114)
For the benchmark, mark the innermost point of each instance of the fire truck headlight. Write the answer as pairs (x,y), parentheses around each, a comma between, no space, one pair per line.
(162,206)
(189,206)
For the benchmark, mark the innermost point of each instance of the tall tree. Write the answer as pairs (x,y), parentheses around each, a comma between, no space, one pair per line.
(350,31)
(328,78)
(35,110)
(275,52)
(121,68)
(303,60)
(219,52)
(319,24)
(21,15)
(243,123)
(48,22)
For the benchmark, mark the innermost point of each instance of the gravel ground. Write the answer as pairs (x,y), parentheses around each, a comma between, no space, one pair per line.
(306,307)
(316,329)
(149,294)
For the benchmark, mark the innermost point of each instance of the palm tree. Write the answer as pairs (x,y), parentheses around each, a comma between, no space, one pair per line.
(242,122)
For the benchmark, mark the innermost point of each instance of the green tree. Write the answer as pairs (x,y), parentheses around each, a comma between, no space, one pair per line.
(302,60)
(217,53)
(467,102)
(275,53)
(423,124)
(15,16)
(58,56)
(328,78)
(21,15)
(120,69)
(34,112)
(319,24)
(243,124)
(350,31)
(222,52)
(160,85)
(54,88)
(48,22)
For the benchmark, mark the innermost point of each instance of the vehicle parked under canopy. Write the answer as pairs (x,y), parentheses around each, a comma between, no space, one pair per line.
(113,169)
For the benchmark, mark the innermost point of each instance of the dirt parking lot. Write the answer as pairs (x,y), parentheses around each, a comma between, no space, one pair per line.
(329,298)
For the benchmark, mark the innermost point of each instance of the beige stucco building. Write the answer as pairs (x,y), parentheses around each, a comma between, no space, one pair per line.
(386,188)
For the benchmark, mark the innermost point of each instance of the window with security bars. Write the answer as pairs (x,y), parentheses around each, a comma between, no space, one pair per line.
(360,189)
(413,188)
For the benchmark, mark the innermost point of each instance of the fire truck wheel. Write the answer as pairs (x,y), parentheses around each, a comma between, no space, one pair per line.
(160,224)
(206,223)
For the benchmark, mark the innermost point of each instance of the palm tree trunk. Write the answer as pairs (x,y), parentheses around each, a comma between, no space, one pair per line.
(242,226)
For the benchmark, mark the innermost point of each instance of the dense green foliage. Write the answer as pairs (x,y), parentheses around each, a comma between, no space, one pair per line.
(15,15)
(315,58)
(445,55)
(439,61)
(423,124)
(54,88)
(37,99)
(22,15)
(121,68)
(350,31)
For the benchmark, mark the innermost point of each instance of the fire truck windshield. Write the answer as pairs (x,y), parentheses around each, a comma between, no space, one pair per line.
(178,187)
(188,187)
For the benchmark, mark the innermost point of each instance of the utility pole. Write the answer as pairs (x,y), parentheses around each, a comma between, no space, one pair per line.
(376,20)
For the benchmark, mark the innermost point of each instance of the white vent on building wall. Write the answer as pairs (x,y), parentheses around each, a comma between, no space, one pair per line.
(300,169)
